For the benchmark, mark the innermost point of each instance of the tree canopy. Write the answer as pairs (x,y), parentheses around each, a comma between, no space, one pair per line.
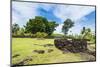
(68,23)
(40,24)
(86,33)
(15,28)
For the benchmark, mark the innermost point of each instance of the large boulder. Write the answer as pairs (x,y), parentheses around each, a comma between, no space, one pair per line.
(72,45)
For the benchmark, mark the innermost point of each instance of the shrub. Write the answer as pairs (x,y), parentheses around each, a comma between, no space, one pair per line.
(20,33)
(29,35)
(40,34)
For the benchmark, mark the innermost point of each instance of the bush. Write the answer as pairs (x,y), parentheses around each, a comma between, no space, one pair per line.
(40,34)
(29,35)
(25,35)
(56,35)
(20,33)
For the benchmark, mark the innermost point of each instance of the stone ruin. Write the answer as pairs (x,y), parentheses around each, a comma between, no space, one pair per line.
(71,45)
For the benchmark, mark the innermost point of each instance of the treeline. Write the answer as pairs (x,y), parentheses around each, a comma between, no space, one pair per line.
(40,27)
(86,33)
(37,27)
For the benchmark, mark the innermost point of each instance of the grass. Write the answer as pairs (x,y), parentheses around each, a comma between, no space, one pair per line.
(25,46)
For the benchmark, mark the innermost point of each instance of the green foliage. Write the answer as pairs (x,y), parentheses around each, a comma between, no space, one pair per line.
(40,24)
(55,35)
(15,29)
(40,35)
(50,27)
(86,33)
(83,30)
(35,25)
(76,36)
(21,32)
(29,35)
(68,23)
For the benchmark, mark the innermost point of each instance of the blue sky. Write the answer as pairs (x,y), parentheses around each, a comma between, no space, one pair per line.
(81,15)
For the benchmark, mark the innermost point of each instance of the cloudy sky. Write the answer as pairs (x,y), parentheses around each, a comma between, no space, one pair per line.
(81,15)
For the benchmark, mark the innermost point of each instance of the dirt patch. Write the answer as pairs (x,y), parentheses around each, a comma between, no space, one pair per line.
(16,55)
(39,51)
(48,45)
(88,57)
(23,61)
(50,50)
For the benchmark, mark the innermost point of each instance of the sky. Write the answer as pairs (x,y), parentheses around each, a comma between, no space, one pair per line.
(82,16)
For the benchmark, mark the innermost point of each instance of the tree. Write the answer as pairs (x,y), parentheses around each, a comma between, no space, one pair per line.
(15,28)
(87,33)
(35,25)
(68,23)
(83,30)
(50,27)
(40,24)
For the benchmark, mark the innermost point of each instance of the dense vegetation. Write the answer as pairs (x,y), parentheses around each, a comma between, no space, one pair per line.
(40,27)
(38,24)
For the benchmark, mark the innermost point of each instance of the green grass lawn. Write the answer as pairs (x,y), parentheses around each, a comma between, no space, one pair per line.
(25,47)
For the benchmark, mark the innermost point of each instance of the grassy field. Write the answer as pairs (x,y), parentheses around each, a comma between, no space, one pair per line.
(23,48)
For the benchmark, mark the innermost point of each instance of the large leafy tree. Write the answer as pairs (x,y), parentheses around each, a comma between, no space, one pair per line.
(68,23)
(50,27)
(40,24)
(35,25)
(15,28)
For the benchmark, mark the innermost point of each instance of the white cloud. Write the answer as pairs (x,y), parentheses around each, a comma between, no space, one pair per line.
(25,9)
(72,11)
(29,10)
(74,30)
(59,29)
(22,11)
(77,14)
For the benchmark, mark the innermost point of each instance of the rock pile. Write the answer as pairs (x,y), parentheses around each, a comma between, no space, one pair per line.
(73,45)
